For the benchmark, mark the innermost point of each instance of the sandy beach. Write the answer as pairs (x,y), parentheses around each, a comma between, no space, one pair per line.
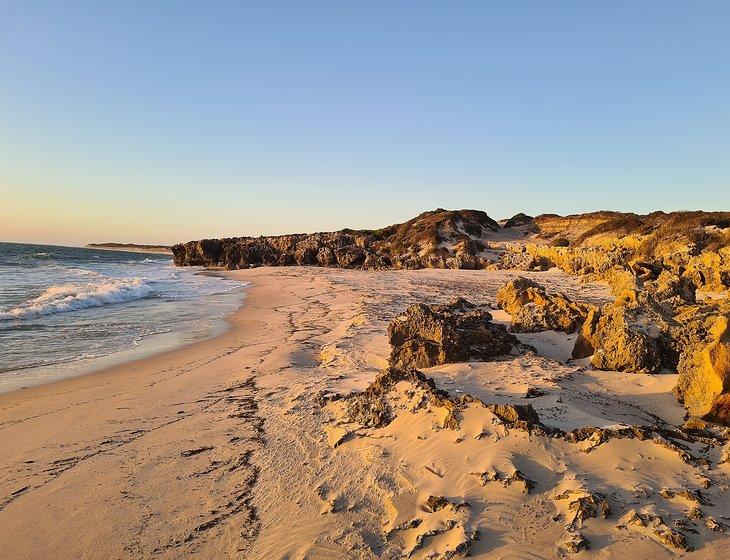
(224,449)
(351,281)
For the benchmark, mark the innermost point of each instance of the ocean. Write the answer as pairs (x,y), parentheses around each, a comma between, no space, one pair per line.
(65,310)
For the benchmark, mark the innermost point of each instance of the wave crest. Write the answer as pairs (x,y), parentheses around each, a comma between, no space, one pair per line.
(70,297)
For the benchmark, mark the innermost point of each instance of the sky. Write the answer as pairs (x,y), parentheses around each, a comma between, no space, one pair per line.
(166,121)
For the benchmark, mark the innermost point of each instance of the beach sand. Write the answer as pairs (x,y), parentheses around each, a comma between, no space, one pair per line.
(225,448)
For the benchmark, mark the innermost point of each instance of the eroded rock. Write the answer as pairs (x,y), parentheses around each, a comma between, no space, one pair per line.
(533,309)
(575,543)
(618,342)
(373,408)
(429,335)
(437,239)
(703,386)
(580,504)
(655,526)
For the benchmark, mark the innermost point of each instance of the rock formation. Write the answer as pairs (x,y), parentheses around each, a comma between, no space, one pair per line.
(617,341)
(534,310)
(404,420)
(655,264)
(690,245)
(704,373)
(372,408)
(438,239)
(427,336)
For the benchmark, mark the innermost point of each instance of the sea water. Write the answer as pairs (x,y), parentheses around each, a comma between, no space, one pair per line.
(66,310)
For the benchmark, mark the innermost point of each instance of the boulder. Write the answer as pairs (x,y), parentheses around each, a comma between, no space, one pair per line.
(429,335)
(618,342)
(703,386)
(534,310)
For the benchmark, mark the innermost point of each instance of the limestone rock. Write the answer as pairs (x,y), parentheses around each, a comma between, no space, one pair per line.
(653,525)
(436,503)
(534,310)
(671,286)
(704,374)
(582,504)
(517,258)
(575,543)
(426,335)
(617,342)
(438,239)
(373,407)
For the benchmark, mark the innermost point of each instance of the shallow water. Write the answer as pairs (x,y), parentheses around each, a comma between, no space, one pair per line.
(66,310)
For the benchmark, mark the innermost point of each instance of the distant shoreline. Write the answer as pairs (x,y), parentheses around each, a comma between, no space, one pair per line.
(130,248)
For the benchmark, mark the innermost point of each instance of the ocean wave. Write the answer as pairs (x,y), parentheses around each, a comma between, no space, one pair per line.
(71,297)
(145,261)
(84,272)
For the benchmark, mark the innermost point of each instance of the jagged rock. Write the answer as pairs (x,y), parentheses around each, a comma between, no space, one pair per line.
(617,341)
(517,258)
(703,386)
(520,479)
(534,392)
(669,438)
(710,270)
(534,310)
(690,495)
(435,503)
(371,408)
(673,287)
(691,246)
(655,525)
(582,505)
(575,543)
(521,416)
(438,239)
(426,335)
(516,477)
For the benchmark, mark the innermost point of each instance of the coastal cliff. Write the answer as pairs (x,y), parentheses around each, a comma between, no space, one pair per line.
(695,245)
(437,239)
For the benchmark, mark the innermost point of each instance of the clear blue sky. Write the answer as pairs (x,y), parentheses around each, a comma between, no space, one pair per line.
(170,120)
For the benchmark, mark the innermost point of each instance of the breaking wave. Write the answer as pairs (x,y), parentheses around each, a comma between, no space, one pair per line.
(70,297)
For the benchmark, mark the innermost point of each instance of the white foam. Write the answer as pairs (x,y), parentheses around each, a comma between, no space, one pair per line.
(70,297)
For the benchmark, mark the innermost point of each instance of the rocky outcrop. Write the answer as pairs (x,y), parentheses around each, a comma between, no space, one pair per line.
(533,309)
(655,527)
(690,245)
(703,386)
(638,333)
(618,342)
(429,335)
(377,405)
(438,239)
(373,407)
